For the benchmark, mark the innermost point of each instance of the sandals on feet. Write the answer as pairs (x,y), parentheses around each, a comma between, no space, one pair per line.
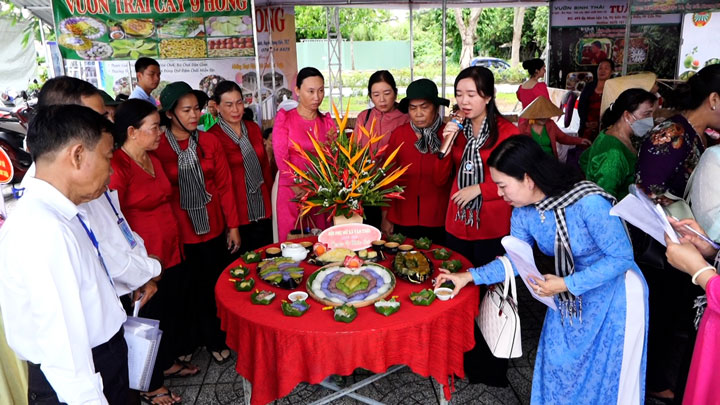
(185,370)
(150,399)
(220,357)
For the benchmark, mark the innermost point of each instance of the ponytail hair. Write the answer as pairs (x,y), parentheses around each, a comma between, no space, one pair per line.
(629,100)
(485,85)
(691,94)
(520,155)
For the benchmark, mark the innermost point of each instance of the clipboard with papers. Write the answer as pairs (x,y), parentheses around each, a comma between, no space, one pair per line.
(520,254)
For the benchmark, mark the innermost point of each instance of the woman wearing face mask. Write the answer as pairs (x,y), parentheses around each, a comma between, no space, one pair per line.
(204,203)
(536,121)
(591,99)
(667,157)
(592,349)
(293,125)
(383,94)
(477,218)
(610,162)
(252,178)
(415,216)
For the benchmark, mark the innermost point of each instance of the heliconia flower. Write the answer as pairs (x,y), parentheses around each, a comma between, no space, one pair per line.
(392,156)
(392,177)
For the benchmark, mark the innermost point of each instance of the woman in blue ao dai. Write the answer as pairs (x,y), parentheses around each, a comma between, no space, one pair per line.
(592,350)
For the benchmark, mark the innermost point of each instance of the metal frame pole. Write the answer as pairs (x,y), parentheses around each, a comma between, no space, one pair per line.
(628,26)
(271,51)
(444,43)
(412,44)
(259,80)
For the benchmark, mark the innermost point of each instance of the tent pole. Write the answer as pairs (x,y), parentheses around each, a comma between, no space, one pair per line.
(259,81)
(272,59)
(444,53)
(628,25)
(412,57)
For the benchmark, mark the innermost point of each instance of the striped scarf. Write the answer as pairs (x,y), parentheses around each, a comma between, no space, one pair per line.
(472,172)
(428,137)
(570,306)
(253,170)
(193,195)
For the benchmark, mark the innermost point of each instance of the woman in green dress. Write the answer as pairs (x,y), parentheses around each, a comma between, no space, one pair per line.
(610,161)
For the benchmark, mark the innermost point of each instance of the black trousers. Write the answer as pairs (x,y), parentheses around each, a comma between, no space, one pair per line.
(671,331)
(255,235)
(169,306)
(206,261)
(436,234)
(481,366)
(110,360)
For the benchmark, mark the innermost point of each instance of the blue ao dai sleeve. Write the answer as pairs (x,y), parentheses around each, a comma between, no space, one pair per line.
(610,237)
(494,272)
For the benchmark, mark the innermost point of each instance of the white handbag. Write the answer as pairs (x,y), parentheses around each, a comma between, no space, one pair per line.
(498,320)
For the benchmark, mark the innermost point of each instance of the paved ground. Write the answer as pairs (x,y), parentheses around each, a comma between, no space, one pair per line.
(222,385)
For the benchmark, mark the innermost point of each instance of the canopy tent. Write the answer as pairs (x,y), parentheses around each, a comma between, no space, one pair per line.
(43,8)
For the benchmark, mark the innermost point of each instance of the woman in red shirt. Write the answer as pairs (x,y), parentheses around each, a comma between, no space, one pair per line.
(477,218)
(242,142)
(416,216)
(144,193)
(203,202)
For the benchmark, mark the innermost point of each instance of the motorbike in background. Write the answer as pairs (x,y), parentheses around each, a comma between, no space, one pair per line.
(13,128)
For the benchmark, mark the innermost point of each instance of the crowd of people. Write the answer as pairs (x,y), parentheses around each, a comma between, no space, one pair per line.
(150,208)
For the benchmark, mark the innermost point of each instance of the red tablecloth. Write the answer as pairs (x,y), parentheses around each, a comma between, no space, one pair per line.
(276,352)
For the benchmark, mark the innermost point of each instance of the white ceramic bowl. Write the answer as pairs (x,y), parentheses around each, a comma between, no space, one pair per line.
(444,294)
(298,296)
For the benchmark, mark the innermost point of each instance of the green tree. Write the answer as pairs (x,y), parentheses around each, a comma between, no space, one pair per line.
(359,24)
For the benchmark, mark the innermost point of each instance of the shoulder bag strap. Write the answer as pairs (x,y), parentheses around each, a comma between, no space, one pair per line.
(509,279)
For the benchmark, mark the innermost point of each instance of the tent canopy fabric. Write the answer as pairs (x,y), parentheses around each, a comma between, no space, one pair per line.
(43,9)
(19,66)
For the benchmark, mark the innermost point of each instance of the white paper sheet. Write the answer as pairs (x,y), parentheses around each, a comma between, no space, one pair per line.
(521,255)
(639,210)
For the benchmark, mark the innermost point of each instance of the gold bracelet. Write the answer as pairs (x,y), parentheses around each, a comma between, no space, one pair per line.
(699,272)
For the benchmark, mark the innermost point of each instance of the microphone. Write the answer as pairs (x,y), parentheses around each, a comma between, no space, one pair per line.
(449,140)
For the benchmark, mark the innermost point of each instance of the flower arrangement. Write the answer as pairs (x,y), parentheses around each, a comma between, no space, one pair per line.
(342,176)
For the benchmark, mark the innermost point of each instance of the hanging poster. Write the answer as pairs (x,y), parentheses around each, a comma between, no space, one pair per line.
(583,33)
(169,29)
(672,6)
(696,51)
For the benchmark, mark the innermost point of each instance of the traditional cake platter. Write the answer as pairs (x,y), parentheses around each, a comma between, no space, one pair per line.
(361,286)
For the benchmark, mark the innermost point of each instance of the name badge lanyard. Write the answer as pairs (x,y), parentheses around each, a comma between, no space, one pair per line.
(124,228)
(95,243)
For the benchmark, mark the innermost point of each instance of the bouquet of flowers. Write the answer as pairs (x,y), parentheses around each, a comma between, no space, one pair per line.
(342,177)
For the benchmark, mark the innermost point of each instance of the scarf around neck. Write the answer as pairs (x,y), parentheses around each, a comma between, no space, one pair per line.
(253,170)
(472,172)
(570,305)
(191,181)
(429,139)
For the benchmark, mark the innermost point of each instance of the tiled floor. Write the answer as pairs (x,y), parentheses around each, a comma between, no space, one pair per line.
(222,385)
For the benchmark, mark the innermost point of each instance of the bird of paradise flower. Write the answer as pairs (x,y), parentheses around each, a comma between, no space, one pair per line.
(342,176)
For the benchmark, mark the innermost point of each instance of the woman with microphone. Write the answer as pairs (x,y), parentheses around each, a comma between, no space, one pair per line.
(477,217)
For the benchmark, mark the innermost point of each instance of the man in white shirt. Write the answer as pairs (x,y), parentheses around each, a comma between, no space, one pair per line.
(57,298)
(148,79)
(129,266)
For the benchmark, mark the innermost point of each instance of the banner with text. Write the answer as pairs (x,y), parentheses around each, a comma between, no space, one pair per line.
(160,29)
(118,76)
(583,33)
